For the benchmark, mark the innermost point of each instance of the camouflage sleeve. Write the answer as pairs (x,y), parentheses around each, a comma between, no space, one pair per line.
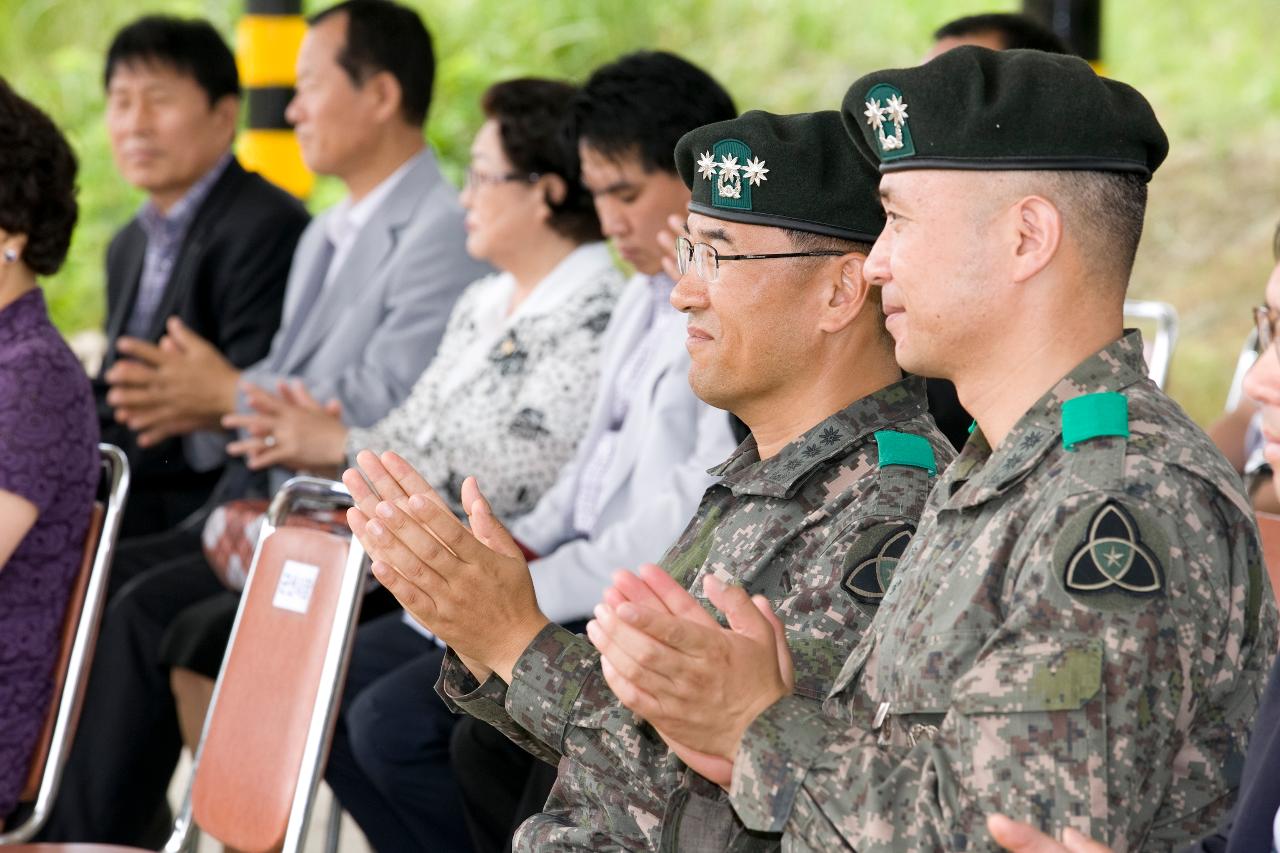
(559,695)
(463,694)
(556,684)
(1092,704)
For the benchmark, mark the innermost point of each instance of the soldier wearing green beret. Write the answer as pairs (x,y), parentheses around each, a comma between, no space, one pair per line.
(811,512)
(1078,635)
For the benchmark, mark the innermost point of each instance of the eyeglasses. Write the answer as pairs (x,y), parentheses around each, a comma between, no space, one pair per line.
(476,178)
(1265,318)
(705,260)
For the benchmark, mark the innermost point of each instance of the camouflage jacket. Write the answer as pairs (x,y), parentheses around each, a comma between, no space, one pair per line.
(1074,638)
(816,528)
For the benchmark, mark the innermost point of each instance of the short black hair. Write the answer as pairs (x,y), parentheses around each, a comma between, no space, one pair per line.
(191,47)
(1103,211)
(385,36)
(530,113)
(808,241)
(37,182)
(1018,32)
(643,103)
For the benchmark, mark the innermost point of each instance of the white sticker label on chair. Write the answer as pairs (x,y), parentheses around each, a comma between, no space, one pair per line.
(297,581)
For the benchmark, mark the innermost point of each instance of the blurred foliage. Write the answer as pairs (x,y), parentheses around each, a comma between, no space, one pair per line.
(1208,68)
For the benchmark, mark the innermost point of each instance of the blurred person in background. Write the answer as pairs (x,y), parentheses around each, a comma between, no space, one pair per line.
(48,432)
(1239,432)
(997,31)
(516,372)
(642,467)
(208,251)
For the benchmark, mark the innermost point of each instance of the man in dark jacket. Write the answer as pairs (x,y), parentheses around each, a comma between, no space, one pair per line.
(209,250)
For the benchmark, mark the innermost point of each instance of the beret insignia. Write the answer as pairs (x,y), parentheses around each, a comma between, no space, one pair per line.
(734,171)
(886,113)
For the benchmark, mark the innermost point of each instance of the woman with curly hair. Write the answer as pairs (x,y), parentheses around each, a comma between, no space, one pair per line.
(48,431)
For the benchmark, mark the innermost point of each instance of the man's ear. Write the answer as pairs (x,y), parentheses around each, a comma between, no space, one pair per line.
(848,293)
(554,190)
(226,113)
(387,97)
(1039,234)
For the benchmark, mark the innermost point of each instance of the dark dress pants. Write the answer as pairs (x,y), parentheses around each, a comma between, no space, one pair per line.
(159,507)
(389,764)
(128,743)
(501,784)
(163,489)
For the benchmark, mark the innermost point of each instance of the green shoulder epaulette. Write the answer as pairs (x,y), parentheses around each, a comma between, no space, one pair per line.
(901,448)
(1094,415)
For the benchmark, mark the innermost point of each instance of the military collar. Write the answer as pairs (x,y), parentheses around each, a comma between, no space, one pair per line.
(980,473)
(745,473)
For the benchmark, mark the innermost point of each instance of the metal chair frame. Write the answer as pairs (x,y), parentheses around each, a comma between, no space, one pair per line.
(1244,361)
(115,474)
(1166,320)
(298,493)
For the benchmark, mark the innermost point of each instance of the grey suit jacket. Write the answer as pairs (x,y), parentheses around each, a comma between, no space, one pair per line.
(376,326)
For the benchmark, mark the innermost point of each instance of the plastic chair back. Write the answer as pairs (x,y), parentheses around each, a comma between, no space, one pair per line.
(267,733)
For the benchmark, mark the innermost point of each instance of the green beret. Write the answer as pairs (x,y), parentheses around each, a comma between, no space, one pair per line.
(788,171)
(974,108)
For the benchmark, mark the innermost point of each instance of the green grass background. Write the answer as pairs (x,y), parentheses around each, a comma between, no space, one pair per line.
(1209,68)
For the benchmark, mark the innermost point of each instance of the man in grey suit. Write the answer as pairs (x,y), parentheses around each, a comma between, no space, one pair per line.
(372,284)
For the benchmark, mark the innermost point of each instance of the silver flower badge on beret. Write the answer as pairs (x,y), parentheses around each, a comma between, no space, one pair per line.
(885,109)
(754,171)
(733,170)
(707,165)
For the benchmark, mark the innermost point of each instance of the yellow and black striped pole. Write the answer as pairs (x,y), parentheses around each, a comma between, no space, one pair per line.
(267,41)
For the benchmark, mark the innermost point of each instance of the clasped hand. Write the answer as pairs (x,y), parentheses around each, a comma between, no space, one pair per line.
(471,588)
(700,685)
(290,428)
(181,385)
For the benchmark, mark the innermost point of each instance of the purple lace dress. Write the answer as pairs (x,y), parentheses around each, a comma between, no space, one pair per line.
(49,456)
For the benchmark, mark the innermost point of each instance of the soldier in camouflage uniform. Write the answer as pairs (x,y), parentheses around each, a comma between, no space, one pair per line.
(813,517)
(1080,630)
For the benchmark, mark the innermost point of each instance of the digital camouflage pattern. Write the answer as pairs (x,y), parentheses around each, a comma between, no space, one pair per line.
(791,528)
(1074,638)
